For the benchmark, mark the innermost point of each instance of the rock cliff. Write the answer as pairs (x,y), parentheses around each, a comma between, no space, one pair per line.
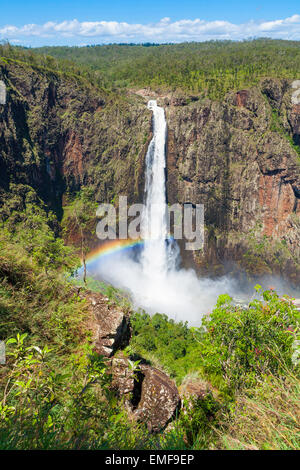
(239,157)
(57,133)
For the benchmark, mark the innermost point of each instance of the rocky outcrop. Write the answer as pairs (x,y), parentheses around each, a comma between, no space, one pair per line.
(110,325)
(159,399)
(149,394)
(124,380)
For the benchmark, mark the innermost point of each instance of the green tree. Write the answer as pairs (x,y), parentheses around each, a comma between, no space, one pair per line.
(83,212)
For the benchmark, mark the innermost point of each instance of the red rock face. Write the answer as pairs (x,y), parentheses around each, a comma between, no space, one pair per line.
(241,98)
(61,135)
(73,156)
(277,201)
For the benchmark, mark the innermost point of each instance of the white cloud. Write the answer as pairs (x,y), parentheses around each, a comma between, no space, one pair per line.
(163,31)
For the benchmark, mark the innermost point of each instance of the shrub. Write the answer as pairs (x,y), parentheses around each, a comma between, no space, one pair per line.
(241,344)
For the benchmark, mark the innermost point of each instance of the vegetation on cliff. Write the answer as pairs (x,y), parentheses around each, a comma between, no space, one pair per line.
(67,133)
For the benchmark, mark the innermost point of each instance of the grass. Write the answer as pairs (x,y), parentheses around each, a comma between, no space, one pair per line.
(43,305)
(266,417)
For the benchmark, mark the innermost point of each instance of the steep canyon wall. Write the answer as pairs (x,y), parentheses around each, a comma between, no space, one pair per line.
(238,157)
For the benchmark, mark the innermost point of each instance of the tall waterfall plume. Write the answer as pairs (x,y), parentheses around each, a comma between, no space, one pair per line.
(154,280)
(154,219)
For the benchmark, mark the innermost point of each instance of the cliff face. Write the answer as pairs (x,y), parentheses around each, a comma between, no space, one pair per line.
(57,134)
(237,158)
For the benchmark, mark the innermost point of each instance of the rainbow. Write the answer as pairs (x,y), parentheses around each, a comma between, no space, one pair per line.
(111,247)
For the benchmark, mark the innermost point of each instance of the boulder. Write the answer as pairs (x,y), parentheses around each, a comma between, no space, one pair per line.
(122,376)
(150,395)
(159,399)
(110,325)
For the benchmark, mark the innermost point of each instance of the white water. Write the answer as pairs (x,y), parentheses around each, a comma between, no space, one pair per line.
(154,282)
(154,222)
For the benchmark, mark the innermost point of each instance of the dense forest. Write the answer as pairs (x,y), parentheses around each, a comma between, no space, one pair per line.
(212,68)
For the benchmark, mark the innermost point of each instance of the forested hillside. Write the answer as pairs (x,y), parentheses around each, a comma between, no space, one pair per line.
(213,68)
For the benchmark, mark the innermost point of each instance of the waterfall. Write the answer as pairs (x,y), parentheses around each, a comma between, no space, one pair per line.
(154,219)
(153,278)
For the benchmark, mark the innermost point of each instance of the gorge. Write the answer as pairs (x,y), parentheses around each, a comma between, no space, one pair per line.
(154,278)
(233,156)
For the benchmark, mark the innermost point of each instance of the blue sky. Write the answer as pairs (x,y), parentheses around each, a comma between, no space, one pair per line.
(34,22)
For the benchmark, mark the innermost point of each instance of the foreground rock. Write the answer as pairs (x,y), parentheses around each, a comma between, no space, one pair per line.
(110,325)
(149,393)
(159,399)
